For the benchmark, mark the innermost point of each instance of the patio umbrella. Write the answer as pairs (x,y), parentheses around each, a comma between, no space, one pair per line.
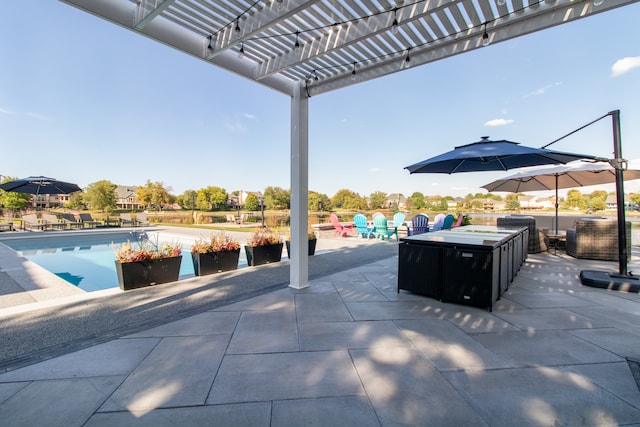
(487,155)
(40,185)
(575,174)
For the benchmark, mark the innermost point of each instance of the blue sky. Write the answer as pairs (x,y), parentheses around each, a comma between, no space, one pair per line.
(83,100)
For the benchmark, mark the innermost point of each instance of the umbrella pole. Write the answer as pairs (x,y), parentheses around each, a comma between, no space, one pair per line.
(622,232)
(556,204)
(607,280)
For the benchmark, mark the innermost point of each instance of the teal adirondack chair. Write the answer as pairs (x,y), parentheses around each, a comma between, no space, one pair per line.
(363,227)
(382,227)
(398,221)
(448,222)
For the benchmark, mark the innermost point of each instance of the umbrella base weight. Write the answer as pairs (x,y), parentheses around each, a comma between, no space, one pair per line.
(610,280)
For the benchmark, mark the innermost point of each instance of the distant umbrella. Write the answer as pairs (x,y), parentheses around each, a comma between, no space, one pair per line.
(40,185)
(576,174)
(487,155)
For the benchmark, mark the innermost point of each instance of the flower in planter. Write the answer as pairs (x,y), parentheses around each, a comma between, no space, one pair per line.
(217,242)
(145,250)
(264,238)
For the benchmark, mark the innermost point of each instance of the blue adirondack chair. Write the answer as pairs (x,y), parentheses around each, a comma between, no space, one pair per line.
(363,226)
(419,224)
(382,227)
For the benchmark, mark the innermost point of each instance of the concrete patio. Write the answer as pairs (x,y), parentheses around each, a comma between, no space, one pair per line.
(351,351)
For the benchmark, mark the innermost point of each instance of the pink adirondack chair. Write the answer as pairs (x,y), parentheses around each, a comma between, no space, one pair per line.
(459,221)
(342,229)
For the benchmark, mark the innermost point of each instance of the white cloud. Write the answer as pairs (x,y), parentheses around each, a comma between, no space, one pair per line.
(435,184)
(542,90)
(498,122)
(625,65)
(3,111)
(249,116)
(375,170)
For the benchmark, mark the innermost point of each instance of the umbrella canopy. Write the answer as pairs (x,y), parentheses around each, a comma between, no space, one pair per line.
(40,185)
(576,174)
(487,155)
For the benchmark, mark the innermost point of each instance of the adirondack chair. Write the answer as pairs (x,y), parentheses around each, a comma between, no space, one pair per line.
(438,222)
(448,222)
(342,229)
(363,226)
(398,221)
(382,227)
(459,221)
(419,224)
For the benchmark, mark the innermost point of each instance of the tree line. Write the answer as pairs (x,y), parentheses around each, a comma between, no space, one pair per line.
(101,196)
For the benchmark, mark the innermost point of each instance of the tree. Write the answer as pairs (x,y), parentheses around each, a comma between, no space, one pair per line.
(512,201)
(347,199)
(316,200)
(377,200)
(277,198)
(211,198)
(101,195)
(152,195)
(13,200)
(76,201)
(187,199)
(252,203)
(416,200)
(575,199)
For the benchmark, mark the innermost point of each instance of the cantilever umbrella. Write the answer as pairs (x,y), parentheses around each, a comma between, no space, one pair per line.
(575,174)
(487,155)
(40,185)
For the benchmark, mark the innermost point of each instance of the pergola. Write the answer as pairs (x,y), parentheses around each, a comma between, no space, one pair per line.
(304,48)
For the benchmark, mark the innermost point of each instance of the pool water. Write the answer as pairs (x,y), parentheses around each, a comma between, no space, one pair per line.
(88,261)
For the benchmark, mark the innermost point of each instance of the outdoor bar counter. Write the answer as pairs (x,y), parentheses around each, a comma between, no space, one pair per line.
(467,265)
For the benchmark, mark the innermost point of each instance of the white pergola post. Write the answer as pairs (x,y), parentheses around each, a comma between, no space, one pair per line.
(299,273)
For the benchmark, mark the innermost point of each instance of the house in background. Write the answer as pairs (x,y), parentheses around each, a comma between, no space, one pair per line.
(49,201)
(395,199)
(535,202)
(612,202)
(126,197)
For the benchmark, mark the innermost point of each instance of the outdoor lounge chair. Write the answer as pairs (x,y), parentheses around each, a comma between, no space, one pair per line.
(126,220)
(398,221)
(437,222)
(87,220)
(419,224)
(596,238)
(141,219)
(342,229)
(363,226)
(459,221)
(6,226)
(382,227)
(52,222)
(30,222)
(71,221)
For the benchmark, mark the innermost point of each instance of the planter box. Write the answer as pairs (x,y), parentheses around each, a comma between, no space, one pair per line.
(263,254)
(312,247)
(215,262)
(132,275)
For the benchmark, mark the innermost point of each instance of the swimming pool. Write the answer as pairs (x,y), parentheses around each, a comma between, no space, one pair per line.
(88,260)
